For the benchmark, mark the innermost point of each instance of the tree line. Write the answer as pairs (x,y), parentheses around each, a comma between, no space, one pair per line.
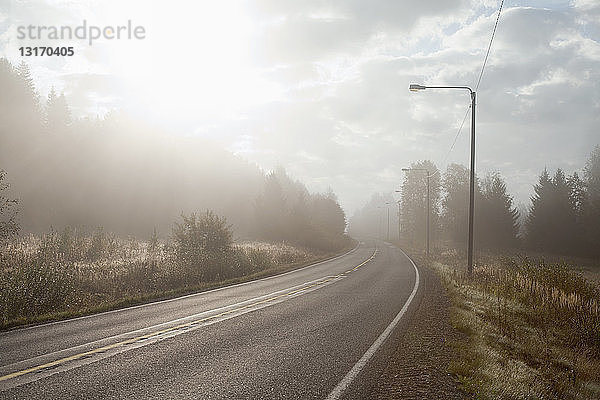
(131,177)
(564,216)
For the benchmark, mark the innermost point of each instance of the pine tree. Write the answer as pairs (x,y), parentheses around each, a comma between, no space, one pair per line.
(564,234)
(455,205)
(591,205)
(552,221)
(58,115)
(577,195)
(19,102)
(29,98)
(540,213)
(271,210)
(497,219)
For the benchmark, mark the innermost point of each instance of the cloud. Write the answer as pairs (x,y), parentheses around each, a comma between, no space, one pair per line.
(343,116)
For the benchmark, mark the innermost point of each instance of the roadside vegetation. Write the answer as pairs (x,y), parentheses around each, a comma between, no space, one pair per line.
(131,178)
(69,273)
(530,310)
(532,330)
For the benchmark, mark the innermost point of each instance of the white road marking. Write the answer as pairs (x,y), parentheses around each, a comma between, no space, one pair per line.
(360,364)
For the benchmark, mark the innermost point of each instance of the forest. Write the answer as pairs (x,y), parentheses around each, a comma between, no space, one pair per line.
(563,218)
(131,179)
(97,213)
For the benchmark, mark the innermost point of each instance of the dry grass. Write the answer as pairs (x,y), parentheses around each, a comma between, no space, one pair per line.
(532,329)
(63,274)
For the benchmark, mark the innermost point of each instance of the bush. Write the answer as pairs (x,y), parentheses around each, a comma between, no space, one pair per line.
(202,245)
(36,287)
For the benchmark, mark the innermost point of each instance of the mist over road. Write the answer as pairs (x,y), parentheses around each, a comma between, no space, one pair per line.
(295,335)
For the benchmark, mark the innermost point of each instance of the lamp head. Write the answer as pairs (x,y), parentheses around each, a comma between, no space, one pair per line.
(415,88)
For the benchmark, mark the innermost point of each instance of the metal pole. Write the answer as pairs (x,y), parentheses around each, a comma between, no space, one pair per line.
(428,212)
(472,186)
(399,225)
(414,88)
(388,230)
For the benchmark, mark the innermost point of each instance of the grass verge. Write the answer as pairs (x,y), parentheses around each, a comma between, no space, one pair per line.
(62,276)
(531,329)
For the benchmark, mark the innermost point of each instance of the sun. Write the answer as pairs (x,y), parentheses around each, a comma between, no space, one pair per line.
(195,60)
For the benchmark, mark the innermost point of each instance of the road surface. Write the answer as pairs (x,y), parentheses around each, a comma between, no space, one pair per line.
(305,334)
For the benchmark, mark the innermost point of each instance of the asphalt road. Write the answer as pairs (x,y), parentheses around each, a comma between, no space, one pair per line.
(296,335)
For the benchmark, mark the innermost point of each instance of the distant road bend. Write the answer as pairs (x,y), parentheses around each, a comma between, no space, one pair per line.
(305,334)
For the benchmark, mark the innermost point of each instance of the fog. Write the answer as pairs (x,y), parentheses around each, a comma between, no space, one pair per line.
(196,113)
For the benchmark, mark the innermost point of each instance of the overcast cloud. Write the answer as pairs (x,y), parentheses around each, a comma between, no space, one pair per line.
(321,87)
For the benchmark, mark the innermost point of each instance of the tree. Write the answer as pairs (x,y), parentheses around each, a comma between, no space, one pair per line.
(565,232)
(455,204)
(577,195)
(327,215)
(9,225)
(202,244)
(29,98)
(552,225)
(496,219)
(540,213)
(591,205)
(271,210)
(413,212)
(58,115)
(369,221)
(19,101)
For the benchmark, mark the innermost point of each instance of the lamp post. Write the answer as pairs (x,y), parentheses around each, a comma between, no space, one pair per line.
(399,226)
(388,219)
(428,199)
(416,88)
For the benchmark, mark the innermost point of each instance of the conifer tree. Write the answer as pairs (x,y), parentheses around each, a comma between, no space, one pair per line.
(28,98)
(455,205)
(591,205)
(58,115)
(497,225)
(540,213)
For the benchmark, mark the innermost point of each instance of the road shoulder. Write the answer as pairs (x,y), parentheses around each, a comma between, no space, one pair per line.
(414,364)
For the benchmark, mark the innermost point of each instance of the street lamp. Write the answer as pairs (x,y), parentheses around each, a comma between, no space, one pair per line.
(388,219)
(416,88)
(428,199)
(399,226)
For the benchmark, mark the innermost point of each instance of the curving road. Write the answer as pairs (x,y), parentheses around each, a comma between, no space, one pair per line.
(305,334)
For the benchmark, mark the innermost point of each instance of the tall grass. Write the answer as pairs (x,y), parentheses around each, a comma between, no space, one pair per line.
(72,272)
(533,329)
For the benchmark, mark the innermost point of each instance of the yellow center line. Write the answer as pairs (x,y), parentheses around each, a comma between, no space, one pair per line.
(177,327)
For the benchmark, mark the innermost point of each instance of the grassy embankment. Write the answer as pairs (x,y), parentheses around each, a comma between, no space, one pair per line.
(64,275)
(531,328)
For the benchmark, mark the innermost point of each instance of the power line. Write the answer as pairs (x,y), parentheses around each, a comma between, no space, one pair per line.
(487,54)
(454,141)
(489,46)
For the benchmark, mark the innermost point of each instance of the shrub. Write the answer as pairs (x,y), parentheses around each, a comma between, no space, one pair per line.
(202,245)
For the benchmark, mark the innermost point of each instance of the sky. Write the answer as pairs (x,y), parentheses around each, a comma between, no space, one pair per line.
(321,87)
